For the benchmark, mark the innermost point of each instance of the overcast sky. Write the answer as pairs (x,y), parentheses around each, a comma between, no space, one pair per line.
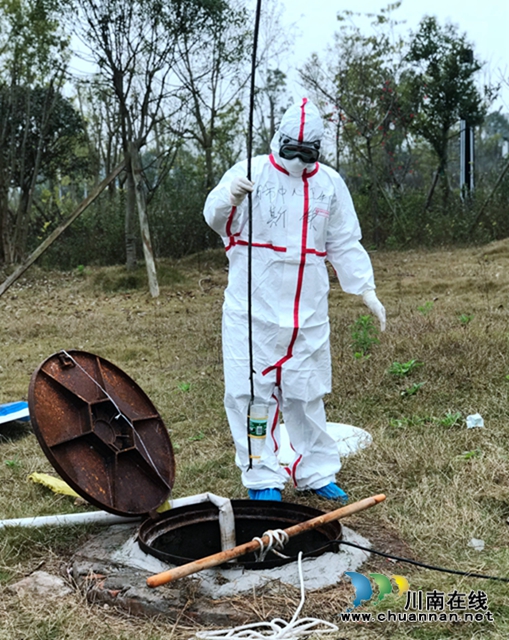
(486,23)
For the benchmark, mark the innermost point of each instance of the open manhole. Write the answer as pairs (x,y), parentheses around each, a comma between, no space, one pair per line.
(104,437)
(191,532)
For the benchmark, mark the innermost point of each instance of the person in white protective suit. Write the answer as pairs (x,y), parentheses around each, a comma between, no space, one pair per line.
(302,213)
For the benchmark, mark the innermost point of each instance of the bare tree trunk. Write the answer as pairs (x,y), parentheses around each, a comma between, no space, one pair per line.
(130,219)
(373,195)
(209,180)
(338,144)
(27,196)
(4,222)
(432,189)
(446,190)
(144,228)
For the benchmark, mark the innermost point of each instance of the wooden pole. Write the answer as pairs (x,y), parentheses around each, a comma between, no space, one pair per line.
(60,229)
(253,545)
(148,252)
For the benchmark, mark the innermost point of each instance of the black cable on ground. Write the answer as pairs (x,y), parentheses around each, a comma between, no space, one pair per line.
(250,221)
(422,564)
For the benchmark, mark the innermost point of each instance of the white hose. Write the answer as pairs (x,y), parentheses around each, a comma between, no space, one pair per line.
(96,517)
(226,517)
(226,521)
(277,628)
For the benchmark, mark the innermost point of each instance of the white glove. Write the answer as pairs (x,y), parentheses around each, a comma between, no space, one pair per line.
(239,188)
(375,306)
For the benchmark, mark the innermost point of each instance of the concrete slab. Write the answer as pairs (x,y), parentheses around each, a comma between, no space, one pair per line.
(218,583)
(113,569)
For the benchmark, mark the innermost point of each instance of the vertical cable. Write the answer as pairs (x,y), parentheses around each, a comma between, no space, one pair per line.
(250,223)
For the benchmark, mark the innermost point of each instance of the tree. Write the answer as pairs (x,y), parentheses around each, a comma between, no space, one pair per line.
(98,109)
(42,138)
(357,88)
(440,89)
(135,45)
(212,71)
(33,44)
(269,107)
(215,74)
(33,113)
(492,143)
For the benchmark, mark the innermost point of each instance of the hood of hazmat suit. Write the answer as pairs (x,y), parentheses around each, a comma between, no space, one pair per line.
(303,124)
(302,214)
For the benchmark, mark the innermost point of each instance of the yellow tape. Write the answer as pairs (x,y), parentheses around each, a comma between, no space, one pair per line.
(55,484)
(164,507)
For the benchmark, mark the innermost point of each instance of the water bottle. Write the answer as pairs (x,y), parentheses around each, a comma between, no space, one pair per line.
(258,416)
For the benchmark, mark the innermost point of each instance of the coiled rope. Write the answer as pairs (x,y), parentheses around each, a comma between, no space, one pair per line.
(277,540)
(277,628)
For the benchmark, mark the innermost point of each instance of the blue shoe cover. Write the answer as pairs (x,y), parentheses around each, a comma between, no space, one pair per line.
(265,494)
(331,491)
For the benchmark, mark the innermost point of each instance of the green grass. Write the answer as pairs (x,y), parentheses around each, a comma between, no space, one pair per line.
(445,484)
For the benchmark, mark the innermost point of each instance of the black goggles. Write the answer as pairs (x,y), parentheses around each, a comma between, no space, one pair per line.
(308,152)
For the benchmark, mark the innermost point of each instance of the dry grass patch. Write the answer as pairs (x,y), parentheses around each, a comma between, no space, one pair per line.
(445,484)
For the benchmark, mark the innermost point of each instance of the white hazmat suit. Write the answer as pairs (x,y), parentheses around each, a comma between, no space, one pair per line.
(301,215)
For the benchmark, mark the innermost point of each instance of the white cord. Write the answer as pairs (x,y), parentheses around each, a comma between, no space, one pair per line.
(277,540)
(277,628)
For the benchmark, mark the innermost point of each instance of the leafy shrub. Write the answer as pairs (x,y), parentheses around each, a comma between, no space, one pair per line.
(364,335)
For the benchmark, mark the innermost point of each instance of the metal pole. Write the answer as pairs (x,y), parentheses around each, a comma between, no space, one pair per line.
(250,227)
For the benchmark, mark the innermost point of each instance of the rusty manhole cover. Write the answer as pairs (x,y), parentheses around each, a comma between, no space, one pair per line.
(101,433)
